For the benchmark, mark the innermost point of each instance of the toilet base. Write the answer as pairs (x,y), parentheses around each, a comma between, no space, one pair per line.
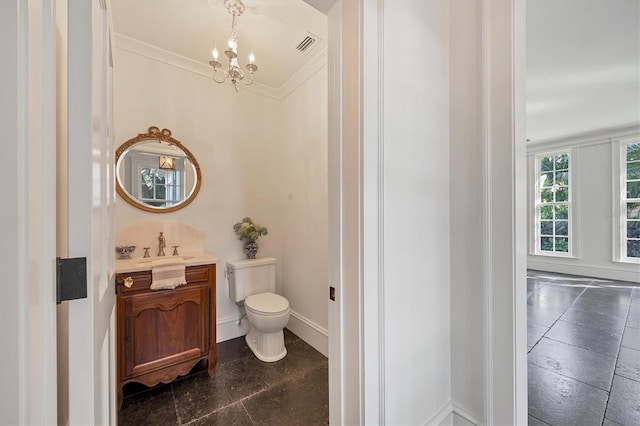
(267,347)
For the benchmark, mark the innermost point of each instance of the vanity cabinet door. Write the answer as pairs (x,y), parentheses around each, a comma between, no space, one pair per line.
(163,334)
(164,328)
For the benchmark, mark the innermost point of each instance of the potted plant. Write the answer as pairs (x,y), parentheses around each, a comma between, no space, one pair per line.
(249,232)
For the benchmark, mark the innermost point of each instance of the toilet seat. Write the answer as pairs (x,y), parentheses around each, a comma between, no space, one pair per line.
(266,304)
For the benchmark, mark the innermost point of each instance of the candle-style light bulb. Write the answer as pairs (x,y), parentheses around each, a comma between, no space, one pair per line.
(214,53)
(252,57)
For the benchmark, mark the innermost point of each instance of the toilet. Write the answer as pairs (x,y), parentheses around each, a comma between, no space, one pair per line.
(252,282)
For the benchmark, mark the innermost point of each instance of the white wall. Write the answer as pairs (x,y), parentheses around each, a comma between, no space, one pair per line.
(466,189)
(593,200)
(304,229)
(259,157)
(416,210)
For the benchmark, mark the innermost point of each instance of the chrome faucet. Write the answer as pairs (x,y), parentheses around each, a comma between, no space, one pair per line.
(162,243)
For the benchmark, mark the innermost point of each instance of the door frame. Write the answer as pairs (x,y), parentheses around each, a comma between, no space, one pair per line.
(27,256)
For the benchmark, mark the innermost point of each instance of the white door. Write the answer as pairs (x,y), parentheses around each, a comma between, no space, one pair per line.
(91,195)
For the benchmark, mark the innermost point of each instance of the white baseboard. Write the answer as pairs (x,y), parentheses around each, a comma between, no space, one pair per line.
(465,415)
(318,337)
(594,271)
(227,328)
(441,417)
(452,414)
(310,332)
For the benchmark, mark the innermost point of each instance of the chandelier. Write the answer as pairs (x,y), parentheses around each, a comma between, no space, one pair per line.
(233,71)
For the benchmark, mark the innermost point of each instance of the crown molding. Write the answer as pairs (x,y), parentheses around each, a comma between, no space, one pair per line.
(591,137)
(155,53)
(306,72)
(150,51)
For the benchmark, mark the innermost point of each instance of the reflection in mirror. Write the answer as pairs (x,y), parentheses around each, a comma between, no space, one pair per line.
(155,172)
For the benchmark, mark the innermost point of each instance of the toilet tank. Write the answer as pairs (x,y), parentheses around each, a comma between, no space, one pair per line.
(251,276)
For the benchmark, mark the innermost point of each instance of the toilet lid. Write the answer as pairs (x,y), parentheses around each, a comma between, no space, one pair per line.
(266,303)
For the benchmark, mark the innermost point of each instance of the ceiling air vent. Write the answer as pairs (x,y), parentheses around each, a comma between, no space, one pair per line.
(308,41)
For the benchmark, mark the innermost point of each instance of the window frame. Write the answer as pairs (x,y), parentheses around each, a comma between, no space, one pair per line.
(620,201)
(536,204)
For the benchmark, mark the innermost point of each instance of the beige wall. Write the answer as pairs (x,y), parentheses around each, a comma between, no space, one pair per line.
(304,202)
(260,157)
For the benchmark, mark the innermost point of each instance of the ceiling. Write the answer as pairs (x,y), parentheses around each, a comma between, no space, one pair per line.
(583,56)
(271,29)
(583,66)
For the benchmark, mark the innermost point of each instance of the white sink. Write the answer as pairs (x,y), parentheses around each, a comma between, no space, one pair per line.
(147,260)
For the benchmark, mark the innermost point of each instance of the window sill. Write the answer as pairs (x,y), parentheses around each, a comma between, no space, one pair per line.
(555,256)
(627,262)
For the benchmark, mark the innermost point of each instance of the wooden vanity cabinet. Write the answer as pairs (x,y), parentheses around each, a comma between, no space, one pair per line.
(163,334)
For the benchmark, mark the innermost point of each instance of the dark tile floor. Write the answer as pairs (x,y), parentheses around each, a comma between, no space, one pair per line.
(244,391)
(584,350)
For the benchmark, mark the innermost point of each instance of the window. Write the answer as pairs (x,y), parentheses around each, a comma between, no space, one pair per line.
(553,204)
(160,188)
(630,194)
(152,185)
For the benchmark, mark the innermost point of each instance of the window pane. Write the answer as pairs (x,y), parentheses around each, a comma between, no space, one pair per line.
(546,243)
(546,179)
(633,189)
(562,178)
(633,248)
(562,227)
(546,227)
(546,196)
(562,244)
(546,212)
(562,211)
(633,229)
(633,171)
(562,161)
(633,210)
(562,194)
(546,164)
(633,152)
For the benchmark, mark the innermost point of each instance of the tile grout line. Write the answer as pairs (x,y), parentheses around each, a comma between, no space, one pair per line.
(247,411)
(241,400)
(579,347)
(557,319)
(561,315)
(540,420)
(175,405)
(572,378)
(615,367)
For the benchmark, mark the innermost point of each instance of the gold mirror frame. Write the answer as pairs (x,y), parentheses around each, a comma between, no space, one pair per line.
(164,135)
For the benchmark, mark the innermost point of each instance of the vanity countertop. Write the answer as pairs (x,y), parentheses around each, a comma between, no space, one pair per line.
(137,264)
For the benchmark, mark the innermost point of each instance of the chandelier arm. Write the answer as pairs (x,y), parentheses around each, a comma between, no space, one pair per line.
(248,81)
(216,80)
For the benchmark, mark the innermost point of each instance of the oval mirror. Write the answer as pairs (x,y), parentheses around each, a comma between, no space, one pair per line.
(156,173)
